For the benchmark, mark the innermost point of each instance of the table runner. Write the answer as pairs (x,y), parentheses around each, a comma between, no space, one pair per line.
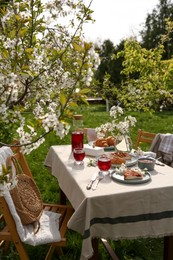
(114,210)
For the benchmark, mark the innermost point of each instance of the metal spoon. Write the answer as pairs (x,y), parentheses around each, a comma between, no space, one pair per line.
(96,182)
(88,187)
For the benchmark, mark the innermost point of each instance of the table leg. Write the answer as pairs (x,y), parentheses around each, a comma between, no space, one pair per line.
(95,248)
(63,198)
(168,248)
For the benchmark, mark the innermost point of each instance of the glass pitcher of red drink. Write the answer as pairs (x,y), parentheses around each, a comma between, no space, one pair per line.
(77,139)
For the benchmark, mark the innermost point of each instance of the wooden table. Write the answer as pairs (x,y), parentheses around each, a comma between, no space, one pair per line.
(114,210)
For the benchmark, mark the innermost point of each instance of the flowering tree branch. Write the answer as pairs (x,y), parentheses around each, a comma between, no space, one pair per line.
(43,61)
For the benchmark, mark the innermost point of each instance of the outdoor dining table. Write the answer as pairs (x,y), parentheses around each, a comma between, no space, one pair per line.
(114,210)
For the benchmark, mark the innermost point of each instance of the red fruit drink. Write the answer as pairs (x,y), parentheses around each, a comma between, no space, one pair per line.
(79,154)
(104,163)
(77,140)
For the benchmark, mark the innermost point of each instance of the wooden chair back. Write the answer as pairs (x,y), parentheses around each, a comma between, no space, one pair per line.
(8,231)
(144,137)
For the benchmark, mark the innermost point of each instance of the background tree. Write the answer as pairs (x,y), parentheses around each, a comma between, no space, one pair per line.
(155,26)
(108,75)
(108,64)
(152,89)
(43,61)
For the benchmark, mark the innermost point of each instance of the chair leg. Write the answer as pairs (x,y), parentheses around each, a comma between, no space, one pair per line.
(21,251)
(5,245)
(50,253)
(109,249)
(95,248)
(168,248)
(63,198)
(59,251)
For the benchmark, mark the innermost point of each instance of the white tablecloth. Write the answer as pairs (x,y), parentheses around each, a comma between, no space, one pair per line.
(114,210)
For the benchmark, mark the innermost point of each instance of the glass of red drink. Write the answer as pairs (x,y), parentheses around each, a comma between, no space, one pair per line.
(104,164)
(79,155)
(77,140)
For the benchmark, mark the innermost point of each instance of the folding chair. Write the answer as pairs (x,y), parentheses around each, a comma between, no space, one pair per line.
(144,137)
(8,230)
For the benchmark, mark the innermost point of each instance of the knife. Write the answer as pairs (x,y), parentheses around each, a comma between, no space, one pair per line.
(92,181)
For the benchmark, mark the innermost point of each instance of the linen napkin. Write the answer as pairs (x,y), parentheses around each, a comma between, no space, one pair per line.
(91,135)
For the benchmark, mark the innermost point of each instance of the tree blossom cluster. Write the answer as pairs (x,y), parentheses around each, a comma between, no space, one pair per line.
(119,127)
(43,62)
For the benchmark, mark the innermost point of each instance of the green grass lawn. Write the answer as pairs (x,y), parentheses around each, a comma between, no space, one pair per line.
(94,115)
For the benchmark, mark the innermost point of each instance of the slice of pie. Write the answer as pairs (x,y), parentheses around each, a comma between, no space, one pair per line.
(132,174)
(119,157)
(121,154)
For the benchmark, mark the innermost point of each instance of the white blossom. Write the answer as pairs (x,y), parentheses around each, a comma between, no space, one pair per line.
(118,127)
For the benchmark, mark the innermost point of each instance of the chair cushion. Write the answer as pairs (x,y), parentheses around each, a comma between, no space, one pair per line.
(48,231)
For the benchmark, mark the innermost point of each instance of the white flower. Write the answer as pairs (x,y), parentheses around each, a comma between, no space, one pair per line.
(119,127)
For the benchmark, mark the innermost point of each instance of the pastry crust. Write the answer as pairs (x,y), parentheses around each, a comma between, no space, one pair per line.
(120,154)
(101,142)
(119,157)
(117,160)
(105,142)
(110,140)
(130,174)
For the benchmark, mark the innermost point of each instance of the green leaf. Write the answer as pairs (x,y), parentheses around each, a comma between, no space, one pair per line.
(5,53)
(87,45)
(73,104)
(29,50)
(84,91)
(62,99)
(23,31)
(17,17)
(84,100)
(77,47)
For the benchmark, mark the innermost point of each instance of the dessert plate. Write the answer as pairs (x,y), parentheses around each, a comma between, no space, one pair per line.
(118,176)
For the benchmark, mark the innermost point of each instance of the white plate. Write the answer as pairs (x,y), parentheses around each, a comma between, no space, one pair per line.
(120,178)
(128,163)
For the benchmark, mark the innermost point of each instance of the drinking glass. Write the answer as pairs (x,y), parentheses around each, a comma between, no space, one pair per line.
(77,139)
(79,155)
(104,164)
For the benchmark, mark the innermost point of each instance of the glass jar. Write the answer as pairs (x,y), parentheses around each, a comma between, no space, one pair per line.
(128,142)
(78,122)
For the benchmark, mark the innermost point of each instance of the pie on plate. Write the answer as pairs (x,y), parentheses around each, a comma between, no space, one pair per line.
(119,157)
(123,175)
(133,174)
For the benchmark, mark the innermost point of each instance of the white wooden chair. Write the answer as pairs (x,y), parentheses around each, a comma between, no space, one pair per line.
(8,231)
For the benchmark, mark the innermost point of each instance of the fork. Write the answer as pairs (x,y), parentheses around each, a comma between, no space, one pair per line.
(98,179)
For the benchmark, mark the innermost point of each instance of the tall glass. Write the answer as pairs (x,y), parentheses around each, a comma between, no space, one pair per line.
(77,139)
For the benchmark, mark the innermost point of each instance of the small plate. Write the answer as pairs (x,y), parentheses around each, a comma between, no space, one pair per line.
(128,163)
(120,178)
(108,148)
